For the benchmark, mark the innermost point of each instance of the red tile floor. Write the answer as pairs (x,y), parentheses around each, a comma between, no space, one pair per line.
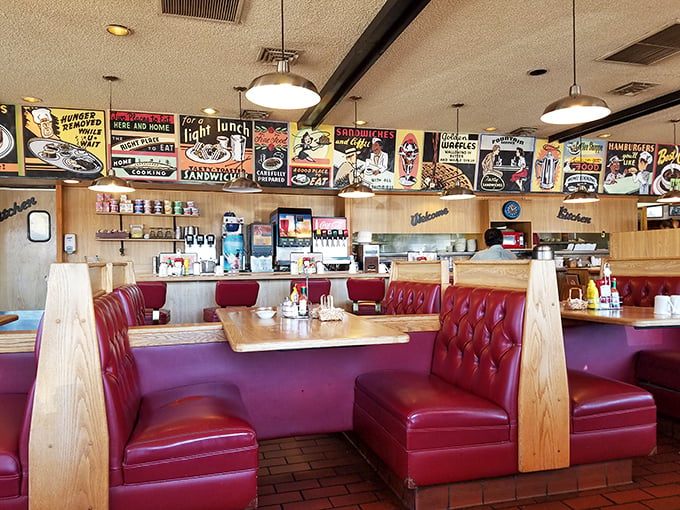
(324,471)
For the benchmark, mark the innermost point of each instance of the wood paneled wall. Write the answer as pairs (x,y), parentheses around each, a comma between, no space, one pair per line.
(645,244)
(80,218)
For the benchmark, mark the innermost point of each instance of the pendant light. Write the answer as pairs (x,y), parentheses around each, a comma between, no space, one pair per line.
(111,183)
(283,90)
(576,108)
(457,192)
(357,188)
(243,183)
(672,196)
(581,195)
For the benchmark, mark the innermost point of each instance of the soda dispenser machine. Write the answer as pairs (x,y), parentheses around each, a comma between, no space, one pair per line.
(330,237)
(260,244)
(291,232)
(232,242)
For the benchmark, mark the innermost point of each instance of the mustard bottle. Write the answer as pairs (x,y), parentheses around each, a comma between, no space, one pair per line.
(592,296)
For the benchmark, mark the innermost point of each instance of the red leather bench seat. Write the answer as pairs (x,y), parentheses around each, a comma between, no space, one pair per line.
(232,293)
(659,373)
(12,408)
(458,422)
(177,448)
(132,299)
(609,419)
(404,297)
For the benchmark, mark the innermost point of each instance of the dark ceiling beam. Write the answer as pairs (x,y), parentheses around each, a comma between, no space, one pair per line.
(389,23)
(634,112)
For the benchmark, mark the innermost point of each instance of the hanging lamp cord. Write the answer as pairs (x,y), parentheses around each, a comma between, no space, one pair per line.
(242,172)
(283,51)
(573,37)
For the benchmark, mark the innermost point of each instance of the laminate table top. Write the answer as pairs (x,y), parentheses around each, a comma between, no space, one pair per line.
(246,332)
(635,316)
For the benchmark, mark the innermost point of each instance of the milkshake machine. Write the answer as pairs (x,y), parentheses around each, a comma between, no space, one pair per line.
(330,237)
(232,242)
(203,245)
(291,232)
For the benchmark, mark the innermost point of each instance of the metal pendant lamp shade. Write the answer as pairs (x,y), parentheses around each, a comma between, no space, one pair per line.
(457,192)
(672,196)
(576,108)
(357,189)
(242,184)
(282,90)
(110,183)
(581,196)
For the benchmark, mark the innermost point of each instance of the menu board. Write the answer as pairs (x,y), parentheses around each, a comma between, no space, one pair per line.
(667,168)
(214,149)
(270,141)
(505,163)
(9,147)
(143,145)
(547,174)
(63,143)
(583,163)
(630,168)
(311,156)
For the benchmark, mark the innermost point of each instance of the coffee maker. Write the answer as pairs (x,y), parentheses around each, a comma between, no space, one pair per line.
(203,245)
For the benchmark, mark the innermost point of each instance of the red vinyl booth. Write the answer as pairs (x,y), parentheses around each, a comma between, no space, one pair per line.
(406,297)
(232,293)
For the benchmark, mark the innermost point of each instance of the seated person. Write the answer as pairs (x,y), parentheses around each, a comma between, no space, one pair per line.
(493,238)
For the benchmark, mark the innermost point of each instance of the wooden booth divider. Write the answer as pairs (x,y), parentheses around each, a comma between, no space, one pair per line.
(543,399)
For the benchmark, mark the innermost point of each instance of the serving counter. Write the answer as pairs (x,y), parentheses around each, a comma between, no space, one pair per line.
(187,296)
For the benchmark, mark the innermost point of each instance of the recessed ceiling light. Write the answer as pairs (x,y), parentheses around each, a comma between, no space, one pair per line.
(604,135)
(537,72)
(209,111)
(360,123)
(31,99)
(490,128)
(119,30)
(71,181)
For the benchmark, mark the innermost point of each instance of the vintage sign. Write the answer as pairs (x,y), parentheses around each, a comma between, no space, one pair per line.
(9,146)
(62,142)
(271,153)
(630,168)
(143,145)
(214,149)
(505,163)
(374,151)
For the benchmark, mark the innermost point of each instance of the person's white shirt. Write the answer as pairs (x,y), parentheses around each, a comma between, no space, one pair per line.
(495,252)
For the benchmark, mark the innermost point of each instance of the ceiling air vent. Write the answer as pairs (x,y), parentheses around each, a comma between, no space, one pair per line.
(273,55)
(632,89)
(651,49)
(255,114)
(217,10)
(523,131)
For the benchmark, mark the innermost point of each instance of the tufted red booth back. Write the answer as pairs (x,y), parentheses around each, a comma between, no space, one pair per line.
(640,290)
(132,299)
(120,377)
(479,343)
(403,297)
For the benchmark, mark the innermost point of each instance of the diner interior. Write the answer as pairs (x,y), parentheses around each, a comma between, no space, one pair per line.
(186,354)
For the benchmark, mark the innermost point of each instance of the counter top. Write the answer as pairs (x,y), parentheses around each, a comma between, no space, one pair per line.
(257,276)
(635,316)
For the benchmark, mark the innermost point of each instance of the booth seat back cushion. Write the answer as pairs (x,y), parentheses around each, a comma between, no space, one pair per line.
(479,343)
(132,300)
(640,290)
(403,297)
(120,377)
(317,287)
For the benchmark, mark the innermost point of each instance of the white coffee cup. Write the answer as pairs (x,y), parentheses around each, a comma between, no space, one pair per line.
(675,304)
(662,306)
